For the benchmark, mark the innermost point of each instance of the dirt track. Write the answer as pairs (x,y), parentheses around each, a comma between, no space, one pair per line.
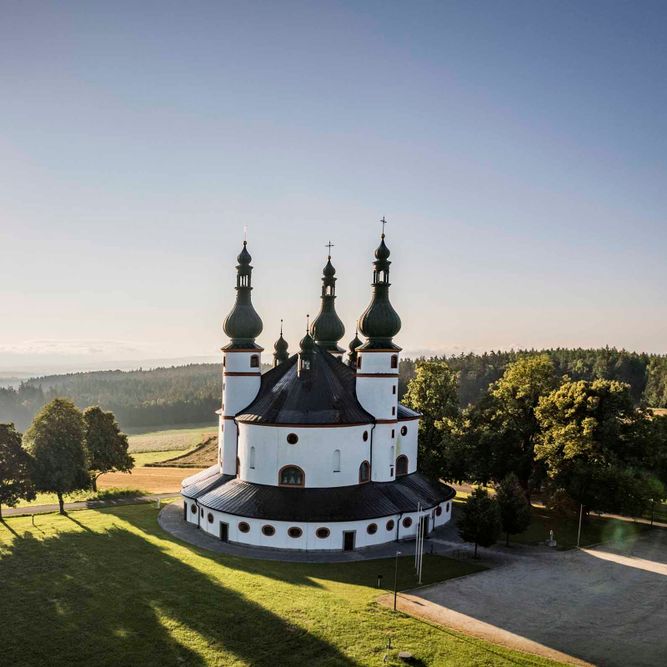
(151,480)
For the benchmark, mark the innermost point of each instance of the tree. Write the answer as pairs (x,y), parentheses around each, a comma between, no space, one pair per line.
(56,441)
(480,521)
(514,507)
(106,446)
(432,391)
(598,447)
(15,469)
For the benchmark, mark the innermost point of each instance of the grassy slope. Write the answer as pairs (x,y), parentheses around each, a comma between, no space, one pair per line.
(109,587)
(171,439)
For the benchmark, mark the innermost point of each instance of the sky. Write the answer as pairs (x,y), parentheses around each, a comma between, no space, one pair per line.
(517,149)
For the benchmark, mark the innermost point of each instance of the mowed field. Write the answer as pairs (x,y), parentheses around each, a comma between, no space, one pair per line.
(176,439)
(109,587)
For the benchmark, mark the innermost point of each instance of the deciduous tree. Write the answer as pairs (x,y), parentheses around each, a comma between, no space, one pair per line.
(56,442)
(15,469)
(480,519)
(514,507)
(106,446)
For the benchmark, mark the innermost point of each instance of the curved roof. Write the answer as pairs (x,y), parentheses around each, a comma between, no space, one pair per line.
(344,503)
(324,395)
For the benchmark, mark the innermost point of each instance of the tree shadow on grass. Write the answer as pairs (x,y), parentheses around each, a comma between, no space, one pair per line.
(115,598)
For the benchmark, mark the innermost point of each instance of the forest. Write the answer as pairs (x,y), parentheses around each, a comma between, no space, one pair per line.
(181,395)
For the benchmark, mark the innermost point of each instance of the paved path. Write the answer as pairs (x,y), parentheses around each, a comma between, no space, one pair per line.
(606,606)
(85,504)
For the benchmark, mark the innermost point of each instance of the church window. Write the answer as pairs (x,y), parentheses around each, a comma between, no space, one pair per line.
(358,362)
(336,460)
(365,436)
(372,528)
(294,532)
(364,472)
(252,458)
(404,430)
(407,522)
(438,510)
(244,527)
(322,533)
(393,411)
(254,361)
(393,433)
(267,530)
(393,389)
(224,362)
(390,524)
(201,512)
(447,508)
(193,509)
(402,465)
(292,438)
(210,518)
(291,476)
(238,466)
(394,361)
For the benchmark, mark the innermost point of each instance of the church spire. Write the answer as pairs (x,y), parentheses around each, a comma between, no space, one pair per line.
(327,328)
(243,324)
(280,355)
(352,354)
(380,322)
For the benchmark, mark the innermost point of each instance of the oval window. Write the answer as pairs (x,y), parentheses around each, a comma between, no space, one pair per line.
(404,430)
(322,533)
(268,530)
(292,438)
(390,524)
(438,510)
(365,436)
(193,509)
(244,527)
(407,522)
(372,528)
(294,532)
(210,518)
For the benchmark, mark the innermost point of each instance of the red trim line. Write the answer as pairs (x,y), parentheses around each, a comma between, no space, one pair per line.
(377,375)
(396,349)
(386,421)
(255,349)
(229,417)
(407,419)
(239,373)
(251,423)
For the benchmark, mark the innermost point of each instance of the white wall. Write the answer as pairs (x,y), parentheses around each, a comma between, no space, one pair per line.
(376,393)
(313,453)
(407,444)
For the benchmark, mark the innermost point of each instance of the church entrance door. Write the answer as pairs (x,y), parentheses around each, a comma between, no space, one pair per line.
(224,532)
(348,540)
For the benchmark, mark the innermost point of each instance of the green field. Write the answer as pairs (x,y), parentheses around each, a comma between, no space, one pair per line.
(110,588)
(170,440)
(142,458)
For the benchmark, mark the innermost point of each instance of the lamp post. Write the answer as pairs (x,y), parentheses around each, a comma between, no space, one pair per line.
(398,553)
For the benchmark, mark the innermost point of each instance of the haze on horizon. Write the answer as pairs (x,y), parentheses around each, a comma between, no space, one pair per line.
(518,151)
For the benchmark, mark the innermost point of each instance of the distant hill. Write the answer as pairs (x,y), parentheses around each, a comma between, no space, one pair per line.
(183,395)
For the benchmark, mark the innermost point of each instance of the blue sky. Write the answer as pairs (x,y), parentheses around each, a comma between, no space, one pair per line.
(518,150)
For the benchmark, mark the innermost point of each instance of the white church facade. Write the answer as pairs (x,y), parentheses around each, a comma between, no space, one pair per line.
(316,453)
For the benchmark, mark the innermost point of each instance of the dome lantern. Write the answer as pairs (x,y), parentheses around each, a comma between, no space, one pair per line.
(327,328)
(280,354)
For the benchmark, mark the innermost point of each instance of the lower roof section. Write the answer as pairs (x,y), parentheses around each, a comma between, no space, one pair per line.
(345,503)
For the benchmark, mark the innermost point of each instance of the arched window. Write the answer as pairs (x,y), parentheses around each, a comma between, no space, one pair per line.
(394,361)
(251,458)
(336,460)
(364,472)
(402,465)
(404,430)
(358,362)
(291,476)
(254,361)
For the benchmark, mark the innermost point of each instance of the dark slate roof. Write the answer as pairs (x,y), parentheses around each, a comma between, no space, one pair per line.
(345,503)
(203,482)
(404,412)
(325,394)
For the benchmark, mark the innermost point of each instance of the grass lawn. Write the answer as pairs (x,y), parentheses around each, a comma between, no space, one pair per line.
(170,439)
(142,458)
(101,494)
(109,587)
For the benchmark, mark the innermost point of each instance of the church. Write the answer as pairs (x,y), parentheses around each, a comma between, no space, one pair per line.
(316,454)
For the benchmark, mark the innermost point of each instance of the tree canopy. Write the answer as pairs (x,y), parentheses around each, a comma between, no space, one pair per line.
(479,522)
(514,506)
(15,469)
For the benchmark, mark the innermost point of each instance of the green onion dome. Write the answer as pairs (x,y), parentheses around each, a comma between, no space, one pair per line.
(380,322)
(327,328)
(243,324)
(280,348)
(352,354)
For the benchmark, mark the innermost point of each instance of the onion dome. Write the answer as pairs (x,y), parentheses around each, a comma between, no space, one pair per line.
(280,355)
(380,322)
(352,354)
(306,354)
(327,328)
(243,324)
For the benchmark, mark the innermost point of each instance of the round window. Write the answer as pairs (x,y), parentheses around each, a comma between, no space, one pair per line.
(407,522)
(322,533)
(193,509)
(390,524)
(438,510)
(294,532)
(268,530)
(244,527)
(292,438)
(365,436)
(210,518)
(372,528)
(404,430)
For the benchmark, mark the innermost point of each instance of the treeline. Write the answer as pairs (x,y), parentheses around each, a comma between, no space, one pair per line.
(181,395)
(645,373)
